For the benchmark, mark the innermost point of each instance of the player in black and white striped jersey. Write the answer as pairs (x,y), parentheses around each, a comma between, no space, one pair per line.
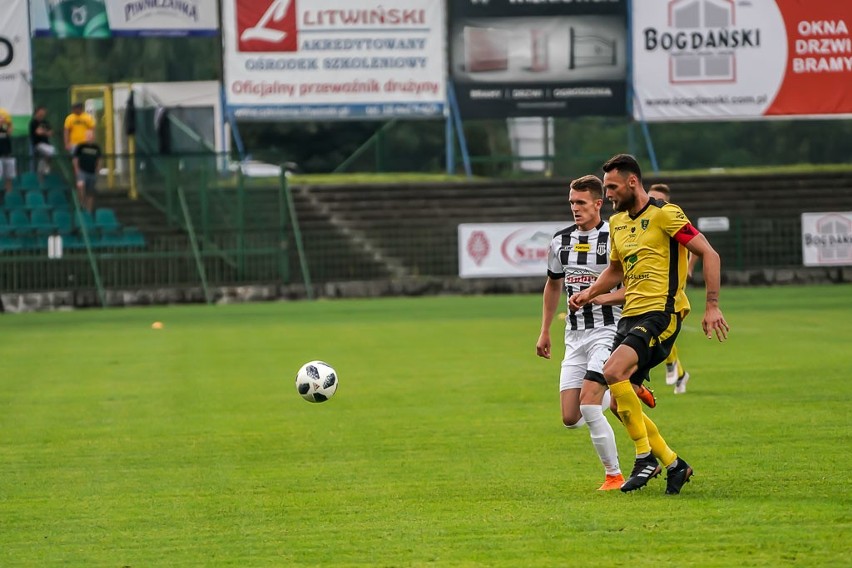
(577,255)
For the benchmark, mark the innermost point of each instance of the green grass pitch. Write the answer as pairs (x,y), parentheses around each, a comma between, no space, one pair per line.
(189,446)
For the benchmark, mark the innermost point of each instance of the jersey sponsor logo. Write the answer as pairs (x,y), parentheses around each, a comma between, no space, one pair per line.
(641,276)
(582,247)
(619,227)
(631,260)
(577,275)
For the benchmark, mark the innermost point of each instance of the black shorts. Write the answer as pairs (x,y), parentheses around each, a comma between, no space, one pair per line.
(651,335)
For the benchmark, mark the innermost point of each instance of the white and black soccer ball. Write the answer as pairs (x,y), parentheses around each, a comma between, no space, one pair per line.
(316,381)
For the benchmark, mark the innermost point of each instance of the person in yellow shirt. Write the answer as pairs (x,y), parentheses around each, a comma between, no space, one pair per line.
(77,124)
(675,373)
(649,239)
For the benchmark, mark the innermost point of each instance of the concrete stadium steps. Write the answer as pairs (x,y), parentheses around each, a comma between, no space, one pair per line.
(767,195)
(371,231)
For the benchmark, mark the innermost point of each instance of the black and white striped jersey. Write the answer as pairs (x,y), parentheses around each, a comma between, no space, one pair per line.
(579,257)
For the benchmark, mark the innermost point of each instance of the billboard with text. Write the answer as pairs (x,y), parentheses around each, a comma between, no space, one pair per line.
(15,75)
(827,239)
(726,59)
(334,59)
(95,19)
(514,58)
(497,250)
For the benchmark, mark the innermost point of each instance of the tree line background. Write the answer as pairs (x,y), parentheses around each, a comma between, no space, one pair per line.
(581,143)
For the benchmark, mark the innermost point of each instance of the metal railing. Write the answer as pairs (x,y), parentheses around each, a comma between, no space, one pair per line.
(210,226)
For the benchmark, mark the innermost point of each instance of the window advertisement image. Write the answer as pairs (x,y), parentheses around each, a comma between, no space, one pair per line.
(721,59)
(96,19)
(334,59)
(528,58)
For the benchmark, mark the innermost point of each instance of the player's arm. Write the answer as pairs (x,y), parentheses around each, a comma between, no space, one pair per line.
(549,302)
(690,267)
(610,298)
(608,279)
(713,320)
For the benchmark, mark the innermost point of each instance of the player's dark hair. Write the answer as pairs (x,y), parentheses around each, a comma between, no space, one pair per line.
(625,164)
(589,183)
(662,188)
(75,106)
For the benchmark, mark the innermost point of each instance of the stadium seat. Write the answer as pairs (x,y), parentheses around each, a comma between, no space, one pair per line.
(19,221)
(13,200)
(128,237)
(8,243)
(63,221)
(57,198)
(35,200)
(5,228)
(26,181)
(41,222)
(84,219)
(106,221)
(53,181)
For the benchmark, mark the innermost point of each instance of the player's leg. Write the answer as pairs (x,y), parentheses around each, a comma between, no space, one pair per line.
(646,342)
(569,400)
(672,364)
(678,471)
(571,375)
(592,407)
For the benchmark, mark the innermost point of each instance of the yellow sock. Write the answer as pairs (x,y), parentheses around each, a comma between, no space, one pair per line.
(659,448)
(630,412)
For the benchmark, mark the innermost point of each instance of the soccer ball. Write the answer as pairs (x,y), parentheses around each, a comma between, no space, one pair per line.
(316,381)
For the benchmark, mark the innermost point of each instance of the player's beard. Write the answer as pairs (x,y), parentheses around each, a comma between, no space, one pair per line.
(625,204)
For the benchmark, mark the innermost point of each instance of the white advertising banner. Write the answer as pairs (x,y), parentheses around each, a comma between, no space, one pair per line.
(334,59)
(505,249)
(96,19)
(15,73)
(827,239)
(725,60)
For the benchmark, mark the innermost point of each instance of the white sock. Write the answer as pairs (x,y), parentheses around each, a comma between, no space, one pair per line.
(578,424)
(607,400)
(603,438)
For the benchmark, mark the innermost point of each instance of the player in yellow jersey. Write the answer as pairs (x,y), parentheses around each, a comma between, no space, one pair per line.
(647,256)
(675,373)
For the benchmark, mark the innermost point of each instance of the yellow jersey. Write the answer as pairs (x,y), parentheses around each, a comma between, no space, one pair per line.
(78,124)
(654,263)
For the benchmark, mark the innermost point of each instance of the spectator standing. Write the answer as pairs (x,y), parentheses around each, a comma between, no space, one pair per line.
(77,124)
(40,133)
(87,159)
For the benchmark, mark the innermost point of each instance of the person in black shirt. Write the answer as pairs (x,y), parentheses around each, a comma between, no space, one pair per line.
(87,158)
(40,133)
